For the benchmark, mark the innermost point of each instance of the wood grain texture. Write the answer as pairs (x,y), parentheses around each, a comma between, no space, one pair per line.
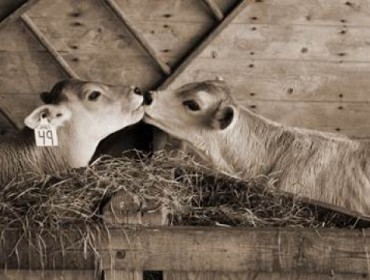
(136,34)
(310,12)
(297,42)
(286,80)
(122,275)
(257,276)
(191,56)
(164,35)
(200,249)
(238,250)
(49,275)
(169,10)
(48,46)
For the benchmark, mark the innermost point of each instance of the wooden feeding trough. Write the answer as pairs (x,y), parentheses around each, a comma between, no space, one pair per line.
(303,64)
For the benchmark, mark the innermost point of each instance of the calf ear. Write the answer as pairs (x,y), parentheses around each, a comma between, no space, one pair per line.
(223,117)
(55,114)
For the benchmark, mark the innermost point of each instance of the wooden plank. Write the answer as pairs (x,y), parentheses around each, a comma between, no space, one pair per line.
(170,40)
(258,276)
(262,250)
(41,70)
(18,106)
(171,11)
(214,9)
(197,249)
(191,56)
(117,69)
(28,73)
(284,12)
(293,42)
(239,41)
(309,12)
(324,116)
(285,80)
(138,37)
(49,274)
(122,275)
(48,46)
(19,11)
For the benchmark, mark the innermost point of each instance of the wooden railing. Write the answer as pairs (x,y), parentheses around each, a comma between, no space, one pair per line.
(134,242)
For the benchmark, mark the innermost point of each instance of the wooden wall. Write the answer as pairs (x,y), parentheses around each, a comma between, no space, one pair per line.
(303,63)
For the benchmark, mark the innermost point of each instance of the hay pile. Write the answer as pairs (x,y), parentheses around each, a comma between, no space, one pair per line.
(193,195)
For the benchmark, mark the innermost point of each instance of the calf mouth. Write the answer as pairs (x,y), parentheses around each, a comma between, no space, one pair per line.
(148,99)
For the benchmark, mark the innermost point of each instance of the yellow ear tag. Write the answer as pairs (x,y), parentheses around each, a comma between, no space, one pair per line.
(46,134)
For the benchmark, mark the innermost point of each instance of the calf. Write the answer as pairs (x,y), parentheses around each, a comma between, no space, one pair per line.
(83,113)
(325,167)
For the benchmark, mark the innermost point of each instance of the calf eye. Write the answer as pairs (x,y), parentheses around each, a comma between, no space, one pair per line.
(94,95)
(191,105)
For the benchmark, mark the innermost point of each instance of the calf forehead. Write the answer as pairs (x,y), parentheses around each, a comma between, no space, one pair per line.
(64,90)
(214,88)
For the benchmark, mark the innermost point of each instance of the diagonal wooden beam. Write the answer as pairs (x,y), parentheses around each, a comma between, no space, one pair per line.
(214,9)
(194,53)
(48,46)
(18,12)
(138,37)
(9,122)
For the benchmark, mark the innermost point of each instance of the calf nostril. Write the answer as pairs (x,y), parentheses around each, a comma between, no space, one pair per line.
(147,98)
(138,91)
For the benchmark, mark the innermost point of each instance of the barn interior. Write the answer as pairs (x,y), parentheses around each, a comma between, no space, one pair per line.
(303,64)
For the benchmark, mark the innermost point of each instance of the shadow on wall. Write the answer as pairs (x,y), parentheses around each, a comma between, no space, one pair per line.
(135,137)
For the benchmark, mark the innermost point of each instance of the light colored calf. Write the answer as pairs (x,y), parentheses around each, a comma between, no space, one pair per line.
(83,113)
(325,167)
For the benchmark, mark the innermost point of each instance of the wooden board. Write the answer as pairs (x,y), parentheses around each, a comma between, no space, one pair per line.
(258,276)
(286,80)
(49,275)
(165,34)
(237,250)
(309,12)
(297,42)
(169,10)
(200,249)
(19,106)
(122,275)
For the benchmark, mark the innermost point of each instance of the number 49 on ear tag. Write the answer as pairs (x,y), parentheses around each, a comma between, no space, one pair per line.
(46,134)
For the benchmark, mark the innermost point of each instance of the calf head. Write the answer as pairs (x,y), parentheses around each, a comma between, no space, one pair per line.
(193,109)
(86,112)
